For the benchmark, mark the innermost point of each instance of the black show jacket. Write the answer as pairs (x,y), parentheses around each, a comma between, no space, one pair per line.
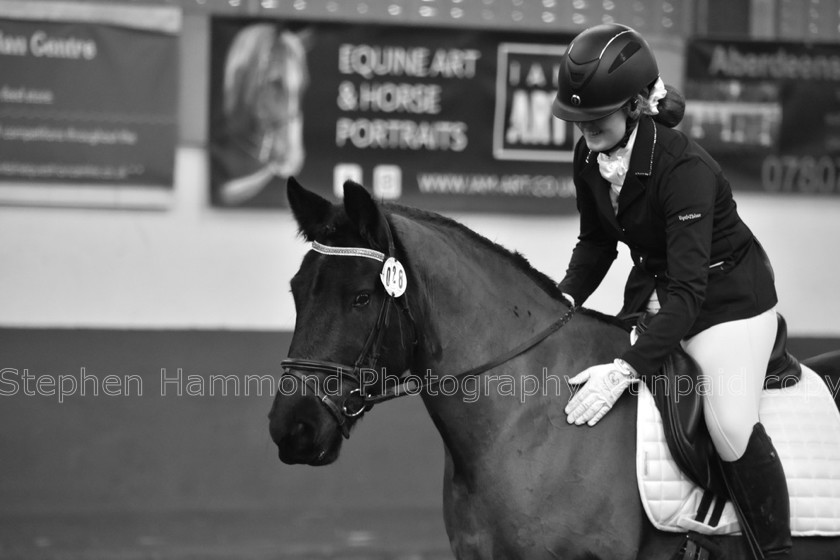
(677,215)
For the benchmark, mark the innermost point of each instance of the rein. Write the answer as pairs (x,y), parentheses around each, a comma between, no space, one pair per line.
(411,386)
(354,404)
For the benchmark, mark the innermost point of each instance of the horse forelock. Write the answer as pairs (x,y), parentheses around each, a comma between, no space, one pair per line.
(335,230)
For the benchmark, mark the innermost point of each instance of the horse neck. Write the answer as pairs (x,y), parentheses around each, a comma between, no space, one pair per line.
(476,302)
(477,306)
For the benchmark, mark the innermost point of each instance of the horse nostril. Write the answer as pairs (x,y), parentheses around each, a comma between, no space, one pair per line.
(302,431)
(298,438)
(296,429)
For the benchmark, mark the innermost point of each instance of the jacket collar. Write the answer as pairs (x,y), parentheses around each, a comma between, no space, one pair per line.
(641,165)
(641,160)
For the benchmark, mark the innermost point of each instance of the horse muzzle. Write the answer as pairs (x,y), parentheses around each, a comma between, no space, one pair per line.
(304,434)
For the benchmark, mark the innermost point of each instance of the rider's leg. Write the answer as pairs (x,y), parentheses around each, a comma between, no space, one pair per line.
(733,357)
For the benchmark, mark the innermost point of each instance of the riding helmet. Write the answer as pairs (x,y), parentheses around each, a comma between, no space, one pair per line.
(603,68)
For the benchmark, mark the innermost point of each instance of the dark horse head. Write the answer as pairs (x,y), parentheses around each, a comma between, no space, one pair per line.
(350,335)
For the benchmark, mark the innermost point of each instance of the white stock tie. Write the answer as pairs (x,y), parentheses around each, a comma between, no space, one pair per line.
(613,167)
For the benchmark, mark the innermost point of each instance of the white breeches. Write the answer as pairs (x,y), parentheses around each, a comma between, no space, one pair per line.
(733,359)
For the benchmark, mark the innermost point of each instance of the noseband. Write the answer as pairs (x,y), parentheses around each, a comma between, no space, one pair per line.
(354,404)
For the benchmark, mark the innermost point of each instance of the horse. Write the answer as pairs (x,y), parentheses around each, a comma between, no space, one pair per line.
(448,304)
(265,78)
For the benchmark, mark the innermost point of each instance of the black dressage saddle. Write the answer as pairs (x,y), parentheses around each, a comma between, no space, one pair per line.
(686,434)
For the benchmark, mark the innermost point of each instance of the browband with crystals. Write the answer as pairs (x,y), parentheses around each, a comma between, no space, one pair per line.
(348,251)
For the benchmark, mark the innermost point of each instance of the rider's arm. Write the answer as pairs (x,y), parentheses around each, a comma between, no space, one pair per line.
(595,251)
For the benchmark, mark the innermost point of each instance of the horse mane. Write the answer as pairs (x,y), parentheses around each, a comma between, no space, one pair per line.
(516,258)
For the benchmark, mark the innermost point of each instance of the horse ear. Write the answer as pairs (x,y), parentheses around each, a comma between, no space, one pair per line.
(311,210)
(364,213)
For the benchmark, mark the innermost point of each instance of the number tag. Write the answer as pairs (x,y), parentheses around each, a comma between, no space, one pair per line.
(393,277)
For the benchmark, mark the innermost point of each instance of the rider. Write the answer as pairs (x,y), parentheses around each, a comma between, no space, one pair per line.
(697,268)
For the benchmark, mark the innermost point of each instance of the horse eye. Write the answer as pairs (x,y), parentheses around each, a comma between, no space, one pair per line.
(361,300)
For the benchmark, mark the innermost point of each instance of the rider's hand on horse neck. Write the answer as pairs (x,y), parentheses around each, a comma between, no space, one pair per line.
(603,385)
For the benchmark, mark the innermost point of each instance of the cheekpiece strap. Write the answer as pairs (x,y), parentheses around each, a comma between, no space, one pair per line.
(348,252)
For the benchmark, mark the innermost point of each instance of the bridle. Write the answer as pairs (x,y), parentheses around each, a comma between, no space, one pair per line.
(353,404)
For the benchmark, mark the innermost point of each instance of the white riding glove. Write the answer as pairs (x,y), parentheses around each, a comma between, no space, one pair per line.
(604,384)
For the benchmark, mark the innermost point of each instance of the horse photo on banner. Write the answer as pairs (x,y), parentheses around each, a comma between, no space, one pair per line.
(259,142)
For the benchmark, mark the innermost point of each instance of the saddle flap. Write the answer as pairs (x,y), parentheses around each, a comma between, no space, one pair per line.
(783,370)
(681,408)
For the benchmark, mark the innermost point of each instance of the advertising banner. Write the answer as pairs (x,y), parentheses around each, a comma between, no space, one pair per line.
(86,105)
(768,112)
(445,119)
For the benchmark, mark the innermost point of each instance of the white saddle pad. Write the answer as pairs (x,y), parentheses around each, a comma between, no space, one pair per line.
(803,422)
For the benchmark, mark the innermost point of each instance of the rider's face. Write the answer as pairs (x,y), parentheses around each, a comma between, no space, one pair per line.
(604,133)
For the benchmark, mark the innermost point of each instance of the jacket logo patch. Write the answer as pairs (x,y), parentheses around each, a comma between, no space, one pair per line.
(686,217)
